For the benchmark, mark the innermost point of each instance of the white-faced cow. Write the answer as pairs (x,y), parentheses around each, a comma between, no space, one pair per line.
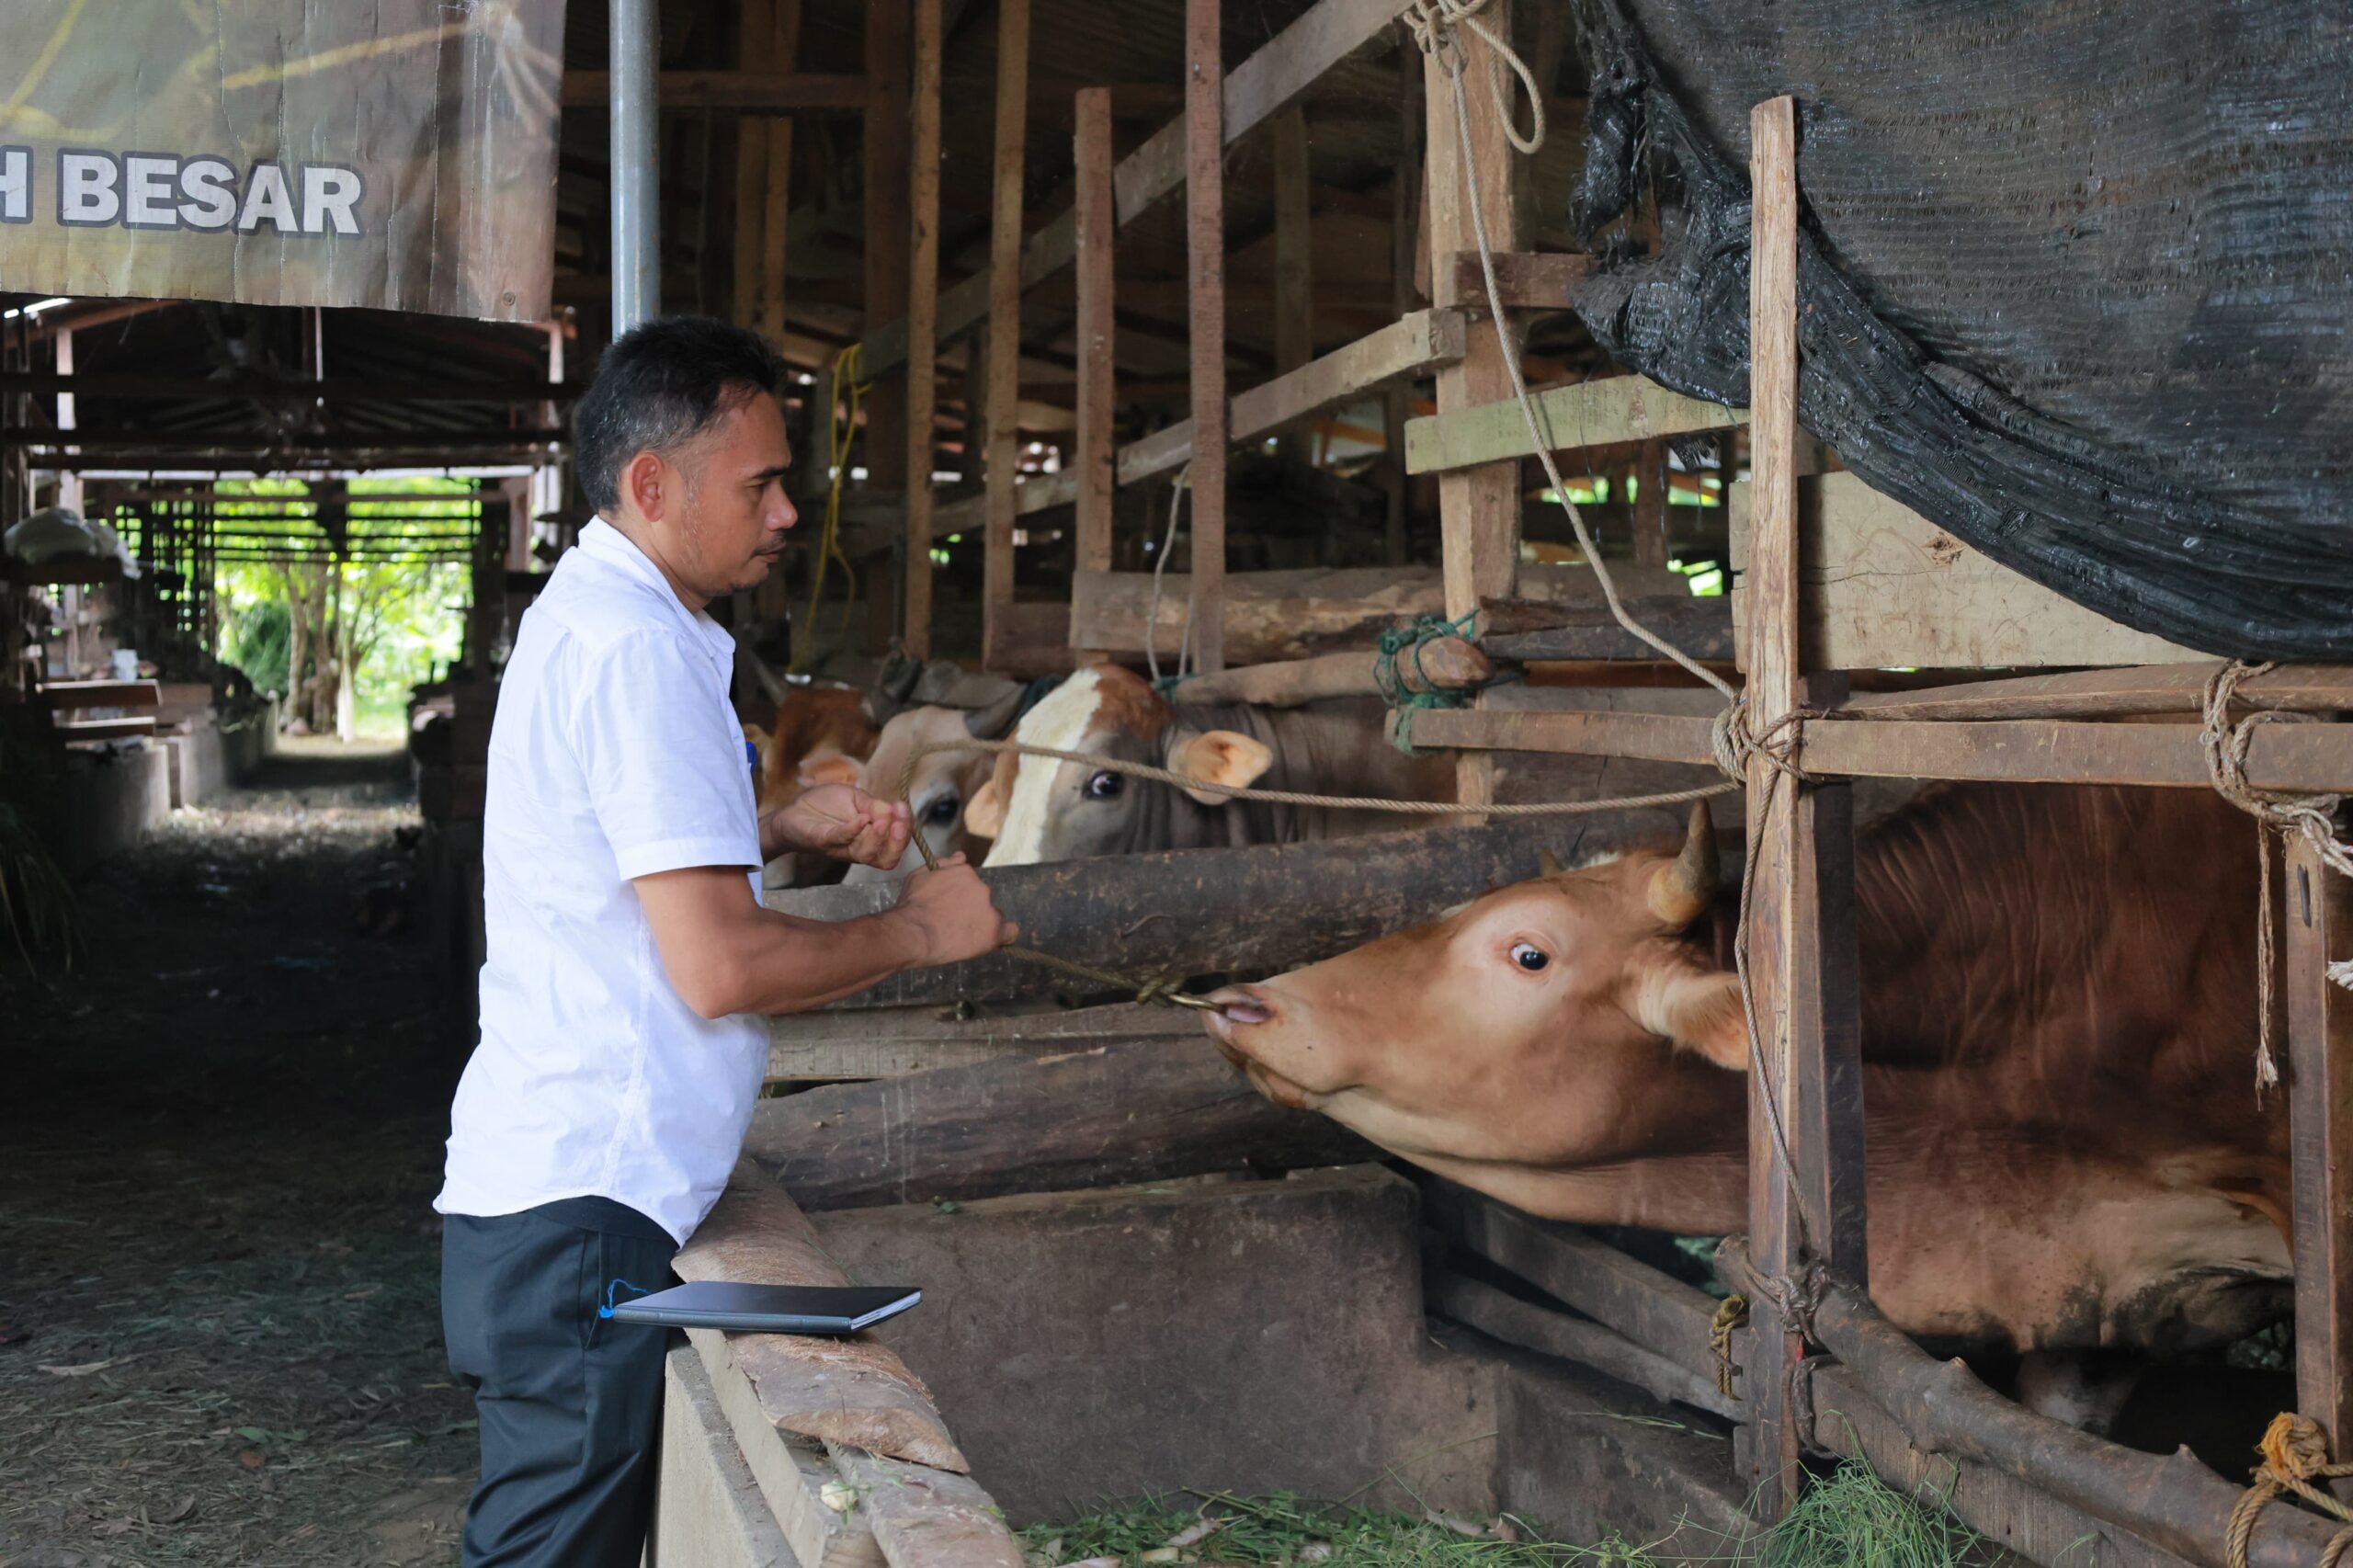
(942,782)
(1038,809)
(2064,1148)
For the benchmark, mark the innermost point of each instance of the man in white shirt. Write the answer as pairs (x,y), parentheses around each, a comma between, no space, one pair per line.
(629,954)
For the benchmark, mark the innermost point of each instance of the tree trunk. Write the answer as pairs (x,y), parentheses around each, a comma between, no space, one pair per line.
(298,647)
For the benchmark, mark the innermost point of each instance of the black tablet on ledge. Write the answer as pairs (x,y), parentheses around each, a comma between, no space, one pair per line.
(770,1309)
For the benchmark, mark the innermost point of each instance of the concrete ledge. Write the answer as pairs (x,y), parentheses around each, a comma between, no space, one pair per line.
(113,798)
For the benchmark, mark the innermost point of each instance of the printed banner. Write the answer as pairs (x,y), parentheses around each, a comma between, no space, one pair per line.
(392,154)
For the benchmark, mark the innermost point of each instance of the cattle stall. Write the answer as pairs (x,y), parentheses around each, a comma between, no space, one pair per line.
(1869,642)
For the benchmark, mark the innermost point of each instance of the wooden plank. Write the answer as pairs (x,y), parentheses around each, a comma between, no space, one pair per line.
(1092,465)
(64,695)
(788,1476)
(1281,69)
(106,729)
(2304,758)
(2319,906)
(2009,1512)
(927,1519)
(1003,386)
(1649,505)
(1654,1309)
(852,1390)
(1591,414)
(889,229)
(1531,280)
(1405,238)
(1140,1110)
(1652,737)
(1505,1317)
(1886,589)
(893,1042)
(1530,630)
(731,92)
(709,1510)
(754,52)
(922,303)
(1205,274)
(1294,238)
(1478,508)
(2117,693)
(1255,910)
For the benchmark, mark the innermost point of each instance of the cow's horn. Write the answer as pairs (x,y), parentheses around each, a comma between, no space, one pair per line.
(991,723)
(1681,891)
(1547,864)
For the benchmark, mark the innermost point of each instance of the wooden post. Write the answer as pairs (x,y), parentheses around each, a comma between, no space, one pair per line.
(1802,939)
(1294,243)
(923,308)
(1003,389)
(2320,1120)
(769,41)
(888,227)
(1097,367)
(1478,507)
(1649,505)
(1405,236)
(1205,270)
(784,49)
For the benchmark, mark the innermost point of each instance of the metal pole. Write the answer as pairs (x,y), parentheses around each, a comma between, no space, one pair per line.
(637,234)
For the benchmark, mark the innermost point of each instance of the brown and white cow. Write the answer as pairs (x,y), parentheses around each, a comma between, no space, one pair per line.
(943,782)
(2064,1148)
(1037,809)
(820,736)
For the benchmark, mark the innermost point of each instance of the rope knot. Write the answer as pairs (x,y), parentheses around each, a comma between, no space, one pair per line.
(1400,639)
(1731,1313)
(1730,742)
(1434,24)
(2295,1457)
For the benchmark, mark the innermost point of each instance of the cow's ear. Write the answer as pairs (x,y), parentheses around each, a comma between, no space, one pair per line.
(1220,756)
(984,813)
(1699,1009)
(831,767)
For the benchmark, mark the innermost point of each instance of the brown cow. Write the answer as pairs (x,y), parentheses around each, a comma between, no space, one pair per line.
(1038,809)
(943,781)
(2064,1148)
(821,736)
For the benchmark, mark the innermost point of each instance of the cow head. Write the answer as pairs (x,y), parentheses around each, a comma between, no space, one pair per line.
(942,782)
(1038,809)
(1555,1024)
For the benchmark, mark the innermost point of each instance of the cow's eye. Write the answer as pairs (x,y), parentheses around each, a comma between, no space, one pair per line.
(942,812)
(1530,956)
(1105,786)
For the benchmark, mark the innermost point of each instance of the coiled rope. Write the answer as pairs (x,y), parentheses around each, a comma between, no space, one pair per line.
(2295,1455)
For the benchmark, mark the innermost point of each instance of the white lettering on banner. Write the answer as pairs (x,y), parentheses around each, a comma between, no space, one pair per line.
(16,185)
(160,190)
(210,185)
(86,193)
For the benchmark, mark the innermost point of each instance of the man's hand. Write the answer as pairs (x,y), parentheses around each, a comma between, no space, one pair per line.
(952,913)
(840,821)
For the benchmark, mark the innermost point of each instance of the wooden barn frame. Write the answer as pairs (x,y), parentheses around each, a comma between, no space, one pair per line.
(2117,714)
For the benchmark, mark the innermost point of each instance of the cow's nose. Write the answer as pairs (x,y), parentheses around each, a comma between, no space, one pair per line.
(1242,1004)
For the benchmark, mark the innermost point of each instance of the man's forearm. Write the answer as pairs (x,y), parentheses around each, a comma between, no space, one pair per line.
(780,963)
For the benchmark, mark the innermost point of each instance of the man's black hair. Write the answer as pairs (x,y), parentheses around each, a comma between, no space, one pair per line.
(660,384)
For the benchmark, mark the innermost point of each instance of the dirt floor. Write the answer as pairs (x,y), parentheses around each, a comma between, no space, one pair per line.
(219,1332)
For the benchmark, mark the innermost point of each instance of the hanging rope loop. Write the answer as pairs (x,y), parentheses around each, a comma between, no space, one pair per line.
(1434,24)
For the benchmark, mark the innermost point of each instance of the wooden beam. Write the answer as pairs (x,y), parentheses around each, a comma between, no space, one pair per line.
(1260,909)
(731,92)
(2120,693)
(891,1042)
(1091,465)
(1404,237)
(1003,387)
(1531,1328)
(1649,505)
(889,226)
(1205,270)
(923,302)
(790,1477)
(106,729)
(2319,906)
(1884,587)
(249,387)
(1531,280)
(1294,238)
(64,695)
(1089,1116)
(1591,414)
(1283,67)
(1529,631)
(927,1519)
(1652,737)
(2304,758)
(1479,509)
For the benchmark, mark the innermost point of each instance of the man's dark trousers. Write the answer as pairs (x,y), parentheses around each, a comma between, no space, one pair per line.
(570,1403)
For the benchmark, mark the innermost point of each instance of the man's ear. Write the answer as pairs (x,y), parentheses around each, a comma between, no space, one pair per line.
(984,813)
(641,482)
(1699,1009)
(831,767)
(1220,756)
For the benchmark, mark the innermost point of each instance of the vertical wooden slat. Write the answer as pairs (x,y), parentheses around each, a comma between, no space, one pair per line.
(1004,386)
(1097,369)
(1405,236)
(923,309)
(1294,243)
(1649,505)
(888,227)
(1478,507)
(1205,269)
(1804,1195)
(754,50)
(2319,1118)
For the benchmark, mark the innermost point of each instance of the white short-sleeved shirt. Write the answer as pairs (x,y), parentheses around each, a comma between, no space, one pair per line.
(614,754)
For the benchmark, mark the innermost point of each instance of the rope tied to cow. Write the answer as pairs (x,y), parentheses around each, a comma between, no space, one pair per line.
(2295,1457)
(2278,813)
